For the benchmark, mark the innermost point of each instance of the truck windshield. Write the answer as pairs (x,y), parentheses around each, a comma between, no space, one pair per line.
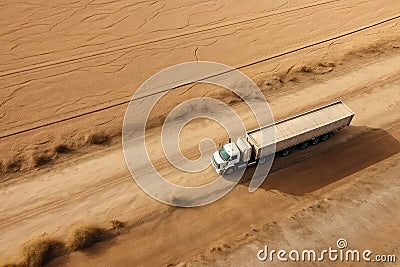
(224,155)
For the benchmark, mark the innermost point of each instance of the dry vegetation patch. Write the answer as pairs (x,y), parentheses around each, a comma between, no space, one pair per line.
(63,149)
(98,138)
(43,158)
(41,251)
(84,236)
(117,225)
(14,164)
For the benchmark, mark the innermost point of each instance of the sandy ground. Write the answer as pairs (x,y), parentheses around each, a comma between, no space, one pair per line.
(72,64)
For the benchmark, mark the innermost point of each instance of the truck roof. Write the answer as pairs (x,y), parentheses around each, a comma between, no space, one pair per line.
(299,124)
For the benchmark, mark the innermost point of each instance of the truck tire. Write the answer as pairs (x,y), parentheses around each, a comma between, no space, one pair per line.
(263,160)
(304,145)
(284,152)
(229,171)
(314,141)
(325,137)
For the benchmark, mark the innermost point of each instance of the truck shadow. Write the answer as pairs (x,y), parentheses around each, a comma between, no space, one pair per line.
(348,152)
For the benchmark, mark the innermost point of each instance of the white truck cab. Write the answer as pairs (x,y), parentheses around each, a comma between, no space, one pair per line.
(232,156)
(225,158)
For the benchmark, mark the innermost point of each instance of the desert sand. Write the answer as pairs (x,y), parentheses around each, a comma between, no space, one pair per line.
(61,60)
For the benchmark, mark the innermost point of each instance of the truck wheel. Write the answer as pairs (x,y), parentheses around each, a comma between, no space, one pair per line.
(325,137)
(284,152)
(229,171)
(315,141)
(304,145)
(262,160)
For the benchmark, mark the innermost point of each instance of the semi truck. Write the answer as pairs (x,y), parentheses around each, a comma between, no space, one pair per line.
(299,131)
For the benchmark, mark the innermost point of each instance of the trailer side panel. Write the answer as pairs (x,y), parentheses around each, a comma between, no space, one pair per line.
(300,128)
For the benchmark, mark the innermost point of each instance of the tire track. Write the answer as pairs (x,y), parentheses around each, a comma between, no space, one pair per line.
(90,191)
